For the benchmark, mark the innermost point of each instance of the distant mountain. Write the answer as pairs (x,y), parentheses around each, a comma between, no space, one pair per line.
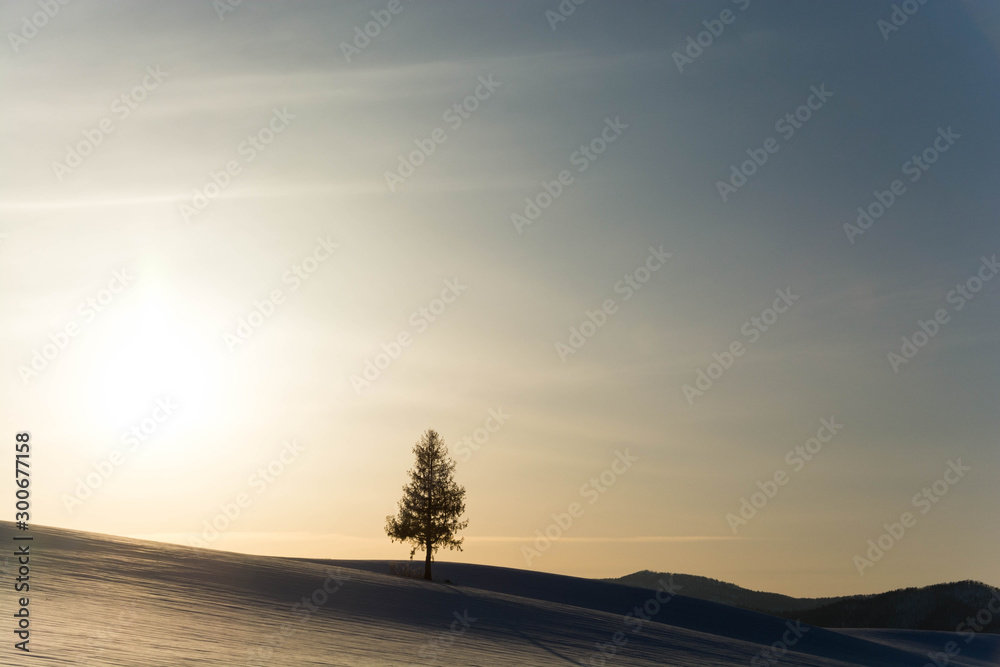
(941,607)
(714,590)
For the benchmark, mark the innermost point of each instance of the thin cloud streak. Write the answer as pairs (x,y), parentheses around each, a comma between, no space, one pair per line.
(646,538)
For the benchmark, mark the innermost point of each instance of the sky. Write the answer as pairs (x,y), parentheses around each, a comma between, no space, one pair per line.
(613,255)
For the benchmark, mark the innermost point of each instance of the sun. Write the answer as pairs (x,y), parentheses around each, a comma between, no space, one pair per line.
(152,352)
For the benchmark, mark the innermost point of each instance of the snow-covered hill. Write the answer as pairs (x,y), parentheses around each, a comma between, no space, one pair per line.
(100,600)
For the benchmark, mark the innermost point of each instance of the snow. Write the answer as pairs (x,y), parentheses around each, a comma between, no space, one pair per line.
(101,600)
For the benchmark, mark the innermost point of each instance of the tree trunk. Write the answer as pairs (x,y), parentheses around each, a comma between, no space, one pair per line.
(427,564)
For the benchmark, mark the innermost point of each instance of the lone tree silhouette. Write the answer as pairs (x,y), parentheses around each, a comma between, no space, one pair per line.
(432,502)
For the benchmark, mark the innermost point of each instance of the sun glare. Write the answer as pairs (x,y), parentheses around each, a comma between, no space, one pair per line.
(152,354)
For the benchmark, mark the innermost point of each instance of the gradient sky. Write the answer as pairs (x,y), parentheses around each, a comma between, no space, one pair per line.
(164,335)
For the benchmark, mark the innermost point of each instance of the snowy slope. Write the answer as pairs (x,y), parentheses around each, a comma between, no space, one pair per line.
(99,600)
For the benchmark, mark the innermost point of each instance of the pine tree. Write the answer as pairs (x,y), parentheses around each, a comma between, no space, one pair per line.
(432,502)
